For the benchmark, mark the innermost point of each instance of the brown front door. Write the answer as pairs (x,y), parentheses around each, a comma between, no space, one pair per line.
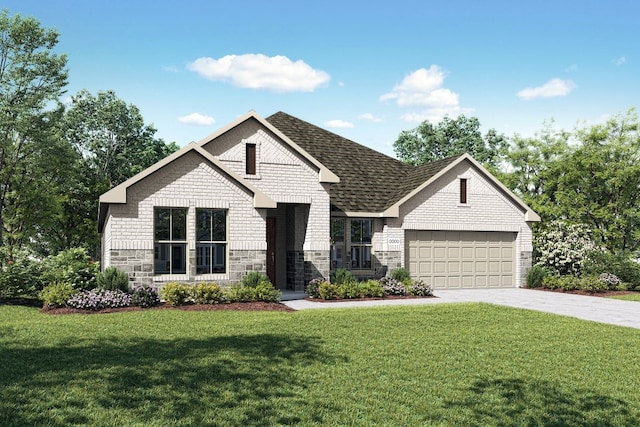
(271,249)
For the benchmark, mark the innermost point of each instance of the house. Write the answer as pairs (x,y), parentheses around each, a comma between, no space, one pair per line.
(295,201)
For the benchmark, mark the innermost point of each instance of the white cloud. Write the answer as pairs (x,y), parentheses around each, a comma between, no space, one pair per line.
(552,88)
(422,88)
(258,71)
(340,124)
(620,61)
(197,119)
(370,117)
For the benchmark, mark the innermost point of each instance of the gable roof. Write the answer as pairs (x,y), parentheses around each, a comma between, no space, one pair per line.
(118,194)
(372,183)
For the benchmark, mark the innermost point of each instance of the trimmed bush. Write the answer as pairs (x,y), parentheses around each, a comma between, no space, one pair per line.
(312,287)
(342,275)
(593,283)
(566,283)
(535,276)
(57,294)
(266,292)
(328,290)
(97,299)
(207,293)
(113,279)
(176,293)
(253,279)
(420,289)
(144,296)
(392,286)
(349,290)
(371,288)
(401,275)
(239,293)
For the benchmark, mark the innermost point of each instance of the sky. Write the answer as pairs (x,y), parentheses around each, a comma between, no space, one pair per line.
(366,70)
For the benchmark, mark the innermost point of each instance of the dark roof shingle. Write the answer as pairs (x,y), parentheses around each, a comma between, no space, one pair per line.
(369,180)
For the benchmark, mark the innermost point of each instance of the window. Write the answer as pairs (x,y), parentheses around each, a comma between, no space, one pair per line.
(250,159)
(337,243)
(170,240)
(463,191)
(361,243)
(211,241)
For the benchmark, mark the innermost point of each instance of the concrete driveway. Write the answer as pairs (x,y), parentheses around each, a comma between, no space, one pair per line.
(603,310)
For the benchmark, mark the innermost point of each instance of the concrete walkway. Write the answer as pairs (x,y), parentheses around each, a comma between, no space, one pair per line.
(603,310)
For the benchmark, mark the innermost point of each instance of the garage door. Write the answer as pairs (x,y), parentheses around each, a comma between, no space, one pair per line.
(461,259)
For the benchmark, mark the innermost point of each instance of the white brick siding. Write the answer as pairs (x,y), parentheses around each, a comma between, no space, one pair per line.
(437,208)
(282,174)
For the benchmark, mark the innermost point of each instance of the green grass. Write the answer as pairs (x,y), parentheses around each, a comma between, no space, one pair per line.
(469,364)
(628,297)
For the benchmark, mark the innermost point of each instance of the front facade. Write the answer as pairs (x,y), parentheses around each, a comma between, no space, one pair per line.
(284,197)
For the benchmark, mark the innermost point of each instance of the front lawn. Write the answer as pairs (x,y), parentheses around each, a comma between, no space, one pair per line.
(468,364)
(628,297)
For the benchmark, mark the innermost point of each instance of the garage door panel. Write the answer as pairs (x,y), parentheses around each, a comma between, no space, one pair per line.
(461,259)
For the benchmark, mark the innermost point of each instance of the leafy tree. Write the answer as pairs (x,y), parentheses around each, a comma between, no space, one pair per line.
(32,77)
(450,137)
(112,136)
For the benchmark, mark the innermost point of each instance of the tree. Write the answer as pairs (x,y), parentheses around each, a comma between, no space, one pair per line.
(108,142)
(112,136)
(32,77)
(450,137)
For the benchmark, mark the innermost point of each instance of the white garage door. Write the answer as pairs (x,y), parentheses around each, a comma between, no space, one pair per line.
(461,259)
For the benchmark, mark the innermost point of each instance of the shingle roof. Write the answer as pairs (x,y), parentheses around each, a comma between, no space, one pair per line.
(369,180)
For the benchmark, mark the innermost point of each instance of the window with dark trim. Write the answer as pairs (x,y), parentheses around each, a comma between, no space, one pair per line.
(251,159)
(463,190)
(211,241)
(170,240)
(361,231)
(337,243)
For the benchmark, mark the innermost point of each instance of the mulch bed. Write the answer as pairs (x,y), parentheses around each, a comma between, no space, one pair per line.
(388,297)
(604,294)
(236,306)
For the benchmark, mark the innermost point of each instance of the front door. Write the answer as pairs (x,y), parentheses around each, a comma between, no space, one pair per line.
(271,249)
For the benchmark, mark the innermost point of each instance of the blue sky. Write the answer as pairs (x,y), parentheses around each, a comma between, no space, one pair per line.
(365,70)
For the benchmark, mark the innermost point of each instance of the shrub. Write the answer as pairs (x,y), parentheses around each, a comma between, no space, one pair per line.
(392,286)
(56,294)
(622,265)
(207,293)
(566,283)
(20,277)
(563,247)
(266,292)
(611,280)
(342,275)
(312,287)
(73,266)
(328,290)
(176,293)
(144,296)
(349,290)
(535,276)
(239,293)
(420,289)
(113,279)
(371,288)
(97,299)
(593,283)
(253,279)
(401,275)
